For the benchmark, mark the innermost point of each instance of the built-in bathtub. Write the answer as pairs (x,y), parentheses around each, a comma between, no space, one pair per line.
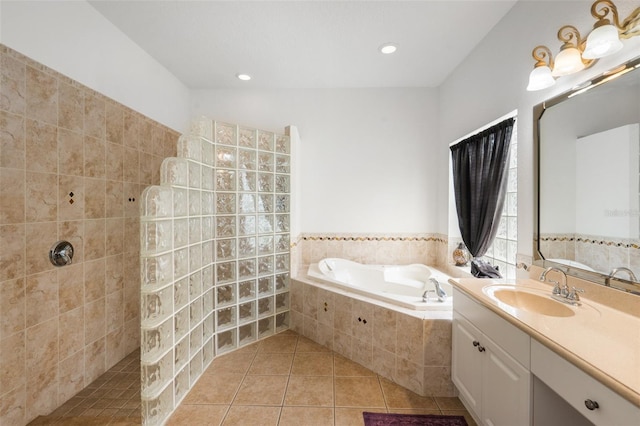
(391,331)
(408,286)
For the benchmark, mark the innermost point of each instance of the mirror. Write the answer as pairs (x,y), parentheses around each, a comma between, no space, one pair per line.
(588,179)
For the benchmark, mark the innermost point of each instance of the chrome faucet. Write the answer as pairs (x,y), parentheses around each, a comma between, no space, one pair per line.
(557,289)
(614,271)
(442,295)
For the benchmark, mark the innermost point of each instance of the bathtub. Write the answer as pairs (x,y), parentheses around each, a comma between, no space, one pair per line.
(399,285)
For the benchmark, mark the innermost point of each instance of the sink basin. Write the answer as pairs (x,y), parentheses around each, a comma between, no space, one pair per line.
(531,302)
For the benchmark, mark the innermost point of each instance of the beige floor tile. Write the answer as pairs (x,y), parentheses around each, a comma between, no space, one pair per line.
(278,344)
(271,363)
(310,391)
(447,403)
(243,416)
(353,416)
(465,413)
(217,388)
(308,345)
(345,367)
(358,392)
(198,415)
(297,416)
(231,363)
(261,390)
(398,397)
(312,364)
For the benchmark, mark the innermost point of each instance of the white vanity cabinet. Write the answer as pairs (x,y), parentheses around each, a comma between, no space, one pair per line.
(490,365)
(590,398)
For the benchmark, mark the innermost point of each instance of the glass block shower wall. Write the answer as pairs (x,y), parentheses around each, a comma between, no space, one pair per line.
(215,256)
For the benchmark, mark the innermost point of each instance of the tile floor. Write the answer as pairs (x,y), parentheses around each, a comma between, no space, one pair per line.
(112,399)
(288,379)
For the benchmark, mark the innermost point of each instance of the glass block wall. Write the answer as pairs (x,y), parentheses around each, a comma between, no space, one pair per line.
(215,256)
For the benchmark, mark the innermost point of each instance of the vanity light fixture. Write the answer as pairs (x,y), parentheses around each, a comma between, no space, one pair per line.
(568,60)
(577,53)
(541,78)
(243,77)
(388,48)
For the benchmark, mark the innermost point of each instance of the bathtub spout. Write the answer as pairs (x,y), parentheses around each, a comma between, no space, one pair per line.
(442,295)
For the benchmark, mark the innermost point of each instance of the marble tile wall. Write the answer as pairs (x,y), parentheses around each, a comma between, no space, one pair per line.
(429,249)
(215,256)
(73,164)
(408,350)
(598,252)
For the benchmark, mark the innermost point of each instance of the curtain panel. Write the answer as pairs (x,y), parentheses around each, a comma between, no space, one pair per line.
(480,174)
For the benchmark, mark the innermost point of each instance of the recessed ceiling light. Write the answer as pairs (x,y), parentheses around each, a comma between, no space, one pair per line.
(388,48)
(243,77)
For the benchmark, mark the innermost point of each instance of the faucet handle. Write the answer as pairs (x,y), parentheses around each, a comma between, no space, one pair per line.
(573,295)
(556,287)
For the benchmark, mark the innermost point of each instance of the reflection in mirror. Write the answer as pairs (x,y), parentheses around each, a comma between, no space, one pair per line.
(588,178)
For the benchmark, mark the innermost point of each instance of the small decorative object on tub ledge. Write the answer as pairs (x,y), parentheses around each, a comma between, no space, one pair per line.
(461,255)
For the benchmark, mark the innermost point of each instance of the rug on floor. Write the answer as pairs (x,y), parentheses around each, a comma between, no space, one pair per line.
(389,419)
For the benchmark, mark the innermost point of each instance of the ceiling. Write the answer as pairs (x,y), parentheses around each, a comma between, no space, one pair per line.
(306,44)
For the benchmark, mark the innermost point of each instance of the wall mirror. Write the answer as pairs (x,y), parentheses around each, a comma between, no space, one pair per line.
(588,179)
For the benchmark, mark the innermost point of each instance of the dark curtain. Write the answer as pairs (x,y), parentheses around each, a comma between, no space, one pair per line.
(480,173)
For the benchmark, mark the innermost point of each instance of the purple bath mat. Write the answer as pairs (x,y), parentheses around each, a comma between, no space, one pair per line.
(388,419)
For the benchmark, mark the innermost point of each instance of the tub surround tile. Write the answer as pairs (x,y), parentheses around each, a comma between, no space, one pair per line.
(12,306)
(403,348)
(70,152)
(12,196)
(70,198)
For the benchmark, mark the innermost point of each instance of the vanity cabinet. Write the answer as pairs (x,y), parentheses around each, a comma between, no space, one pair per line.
(582,391)
(490,365)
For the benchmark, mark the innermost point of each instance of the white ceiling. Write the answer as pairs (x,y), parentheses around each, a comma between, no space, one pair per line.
(306,44)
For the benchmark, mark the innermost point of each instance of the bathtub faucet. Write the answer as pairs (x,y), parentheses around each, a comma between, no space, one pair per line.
(442,295)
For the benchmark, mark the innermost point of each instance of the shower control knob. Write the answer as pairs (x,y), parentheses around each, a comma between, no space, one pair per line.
(61,253)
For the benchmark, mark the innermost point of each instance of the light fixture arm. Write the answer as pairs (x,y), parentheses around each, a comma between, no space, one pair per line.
(570,36)
(605,6)
(630,26)
(543,56)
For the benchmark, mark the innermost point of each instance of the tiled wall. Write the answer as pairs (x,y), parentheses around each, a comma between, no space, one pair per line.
(600,253)
(72,166)
(428,249)
(408,350)
(215,256)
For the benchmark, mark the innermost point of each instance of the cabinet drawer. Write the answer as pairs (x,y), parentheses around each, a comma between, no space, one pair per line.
(513,340)
(575,386)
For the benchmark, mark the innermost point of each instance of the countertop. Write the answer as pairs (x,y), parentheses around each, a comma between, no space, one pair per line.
(598,339)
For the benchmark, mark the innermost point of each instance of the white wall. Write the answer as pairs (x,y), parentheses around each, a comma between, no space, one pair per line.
(492,81)
(72,38)
(366,160)
(614,188)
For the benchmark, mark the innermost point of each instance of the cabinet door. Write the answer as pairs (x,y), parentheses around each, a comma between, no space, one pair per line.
(506,394)
(466,371)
